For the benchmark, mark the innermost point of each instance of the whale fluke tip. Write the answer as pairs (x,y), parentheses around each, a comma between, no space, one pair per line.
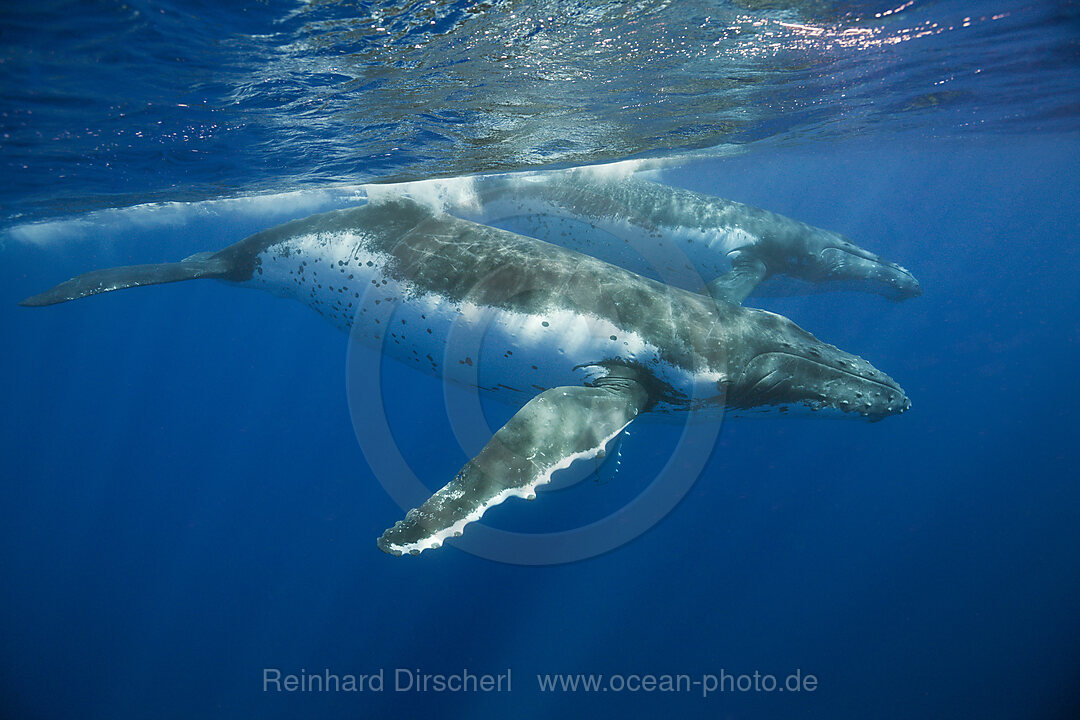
(49,297)
(118,278)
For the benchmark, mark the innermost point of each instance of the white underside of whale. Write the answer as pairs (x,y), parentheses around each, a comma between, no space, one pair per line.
(511,354)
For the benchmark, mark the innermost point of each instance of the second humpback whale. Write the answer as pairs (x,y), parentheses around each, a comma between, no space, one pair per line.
(737,248)
(588,345)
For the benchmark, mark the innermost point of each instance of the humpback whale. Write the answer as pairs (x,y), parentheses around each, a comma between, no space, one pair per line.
(586,345)
(627,221)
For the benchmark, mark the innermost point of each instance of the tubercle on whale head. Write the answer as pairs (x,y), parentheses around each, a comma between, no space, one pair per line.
(831,261)
(841,262)
(783,365)
(852,265)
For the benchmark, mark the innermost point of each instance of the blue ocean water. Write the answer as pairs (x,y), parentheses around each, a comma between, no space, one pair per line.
(185,502)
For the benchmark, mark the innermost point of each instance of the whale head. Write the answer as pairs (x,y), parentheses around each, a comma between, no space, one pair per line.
(782,367)
(843,264)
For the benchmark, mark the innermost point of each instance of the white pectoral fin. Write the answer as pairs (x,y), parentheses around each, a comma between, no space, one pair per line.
(745,275)
(555,428)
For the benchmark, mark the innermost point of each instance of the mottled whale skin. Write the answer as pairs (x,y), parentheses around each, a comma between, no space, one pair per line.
(587,344)
(679,236)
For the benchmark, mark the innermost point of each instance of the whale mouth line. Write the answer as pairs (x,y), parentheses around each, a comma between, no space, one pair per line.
(868,258)
(906,273)
(891,388)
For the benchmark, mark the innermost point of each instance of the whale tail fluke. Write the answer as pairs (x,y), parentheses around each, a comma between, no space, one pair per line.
(200,265)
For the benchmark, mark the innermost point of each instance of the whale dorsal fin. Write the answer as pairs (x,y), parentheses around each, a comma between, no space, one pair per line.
(555,428)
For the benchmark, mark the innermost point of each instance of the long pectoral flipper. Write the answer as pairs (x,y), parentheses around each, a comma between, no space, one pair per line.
(745,275)
(555,428)
(202,265)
